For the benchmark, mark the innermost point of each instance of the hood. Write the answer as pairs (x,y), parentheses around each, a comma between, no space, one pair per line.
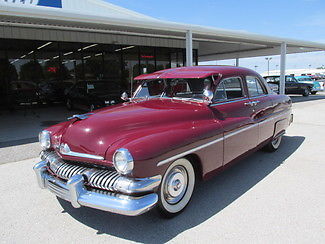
(95,134)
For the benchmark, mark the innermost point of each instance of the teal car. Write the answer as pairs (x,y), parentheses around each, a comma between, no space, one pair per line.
(307,79)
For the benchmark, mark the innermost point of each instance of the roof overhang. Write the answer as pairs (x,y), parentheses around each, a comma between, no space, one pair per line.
(212,43)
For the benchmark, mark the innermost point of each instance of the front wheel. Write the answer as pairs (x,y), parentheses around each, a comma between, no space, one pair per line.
(176,188)
(313,92)
(273,145)
(306,92)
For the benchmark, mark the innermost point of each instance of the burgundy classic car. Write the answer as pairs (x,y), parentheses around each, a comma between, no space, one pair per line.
(180,126)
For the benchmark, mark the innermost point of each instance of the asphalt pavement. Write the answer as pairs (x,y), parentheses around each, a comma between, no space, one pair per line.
(267,198)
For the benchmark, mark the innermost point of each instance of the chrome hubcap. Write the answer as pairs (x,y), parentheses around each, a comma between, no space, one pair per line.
(175,185)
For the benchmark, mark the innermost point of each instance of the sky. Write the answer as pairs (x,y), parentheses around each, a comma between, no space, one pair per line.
(296,19)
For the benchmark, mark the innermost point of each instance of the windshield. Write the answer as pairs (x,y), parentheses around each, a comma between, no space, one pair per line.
(173,88)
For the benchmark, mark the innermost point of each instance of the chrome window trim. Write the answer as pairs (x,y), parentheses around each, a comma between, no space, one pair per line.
(245,96)
(264,95)
(229,101)
(279,114)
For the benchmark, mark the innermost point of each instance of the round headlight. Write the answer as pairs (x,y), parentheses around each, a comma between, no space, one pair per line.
(123,161)
(45,139)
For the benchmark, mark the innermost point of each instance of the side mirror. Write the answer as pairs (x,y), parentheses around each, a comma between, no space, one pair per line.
(125,96)
(208,96)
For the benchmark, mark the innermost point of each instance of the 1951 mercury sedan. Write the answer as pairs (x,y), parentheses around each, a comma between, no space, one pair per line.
(180,126)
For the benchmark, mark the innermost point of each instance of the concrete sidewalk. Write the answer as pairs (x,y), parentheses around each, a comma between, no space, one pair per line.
(267,198)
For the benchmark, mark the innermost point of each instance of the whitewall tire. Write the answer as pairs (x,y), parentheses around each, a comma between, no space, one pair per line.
(176,188)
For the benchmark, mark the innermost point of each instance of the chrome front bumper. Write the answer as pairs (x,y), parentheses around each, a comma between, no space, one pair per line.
(74,190)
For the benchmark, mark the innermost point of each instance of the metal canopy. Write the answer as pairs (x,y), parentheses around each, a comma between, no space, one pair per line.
(95,16)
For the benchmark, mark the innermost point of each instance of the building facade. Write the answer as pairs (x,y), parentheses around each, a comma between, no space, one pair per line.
(70,41)
(39,62)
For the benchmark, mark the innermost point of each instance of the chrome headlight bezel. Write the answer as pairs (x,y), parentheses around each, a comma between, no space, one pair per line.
(123,161)
(45,139)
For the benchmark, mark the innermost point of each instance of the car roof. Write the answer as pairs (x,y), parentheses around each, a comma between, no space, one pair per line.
(196,72)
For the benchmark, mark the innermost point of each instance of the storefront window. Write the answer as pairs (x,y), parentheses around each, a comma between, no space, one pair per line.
(147,60)
(47,63)
(162,58)
(131,67)
(112,65)
(177,58)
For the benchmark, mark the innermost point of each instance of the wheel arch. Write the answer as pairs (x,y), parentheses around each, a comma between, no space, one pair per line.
(197,165)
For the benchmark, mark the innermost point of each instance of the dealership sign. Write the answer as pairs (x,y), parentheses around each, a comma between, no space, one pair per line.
(44,3)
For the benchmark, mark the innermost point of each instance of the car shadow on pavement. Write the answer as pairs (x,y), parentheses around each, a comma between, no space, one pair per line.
(18,142)
(209,199)
(298,99)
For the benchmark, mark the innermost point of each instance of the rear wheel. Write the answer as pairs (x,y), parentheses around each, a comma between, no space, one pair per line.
(306,92)
(273,145)
(176,188)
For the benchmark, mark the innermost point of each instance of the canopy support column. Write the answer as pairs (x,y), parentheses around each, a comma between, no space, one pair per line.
(189,48)
(283,68)
(237,62)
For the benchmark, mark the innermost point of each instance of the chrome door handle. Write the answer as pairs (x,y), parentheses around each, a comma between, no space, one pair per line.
(248,104)
(255,102)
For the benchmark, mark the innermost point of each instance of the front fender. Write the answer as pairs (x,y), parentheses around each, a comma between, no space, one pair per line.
(150,146)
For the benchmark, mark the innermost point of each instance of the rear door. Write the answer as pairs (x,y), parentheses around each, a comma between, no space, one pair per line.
(262,107)
(233,109)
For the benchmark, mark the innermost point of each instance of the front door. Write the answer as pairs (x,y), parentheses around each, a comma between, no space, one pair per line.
(233,109)
(291,85)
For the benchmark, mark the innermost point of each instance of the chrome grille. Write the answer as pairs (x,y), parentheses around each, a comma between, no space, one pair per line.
(102,179)
(61,168)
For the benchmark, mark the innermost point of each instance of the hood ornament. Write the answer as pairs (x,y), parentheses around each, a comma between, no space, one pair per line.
(80,116)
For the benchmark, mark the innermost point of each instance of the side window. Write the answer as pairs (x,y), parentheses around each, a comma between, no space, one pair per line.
(254,86)
(229,88)
(220,93)
(290,79)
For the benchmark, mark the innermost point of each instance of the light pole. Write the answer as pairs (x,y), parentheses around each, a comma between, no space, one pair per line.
(268,65)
